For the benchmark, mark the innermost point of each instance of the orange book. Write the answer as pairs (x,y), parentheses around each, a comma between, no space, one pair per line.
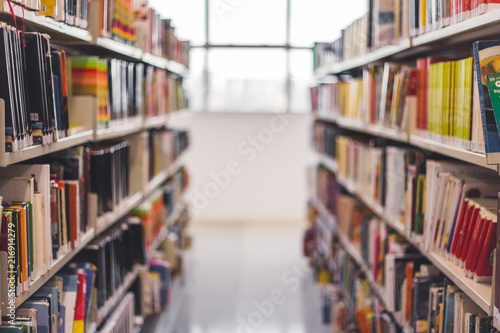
(74,225)
(409,292)
(23,247)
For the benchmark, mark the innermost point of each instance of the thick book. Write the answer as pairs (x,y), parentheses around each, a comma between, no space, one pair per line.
(486,56)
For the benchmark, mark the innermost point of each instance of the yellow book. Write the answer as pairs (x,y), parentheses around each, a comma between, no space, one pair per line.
(460,102)
(440,100)
(445,98)
(50,5)
(423,16)
(395,97)
(451,119)
(467,102)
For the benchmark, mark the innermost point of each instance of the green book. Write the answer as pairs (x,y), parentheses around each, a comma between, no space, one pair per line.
(493,81)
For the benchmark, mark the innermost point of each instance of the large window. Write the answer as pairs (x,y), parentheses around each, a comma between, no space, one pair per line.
(255,55)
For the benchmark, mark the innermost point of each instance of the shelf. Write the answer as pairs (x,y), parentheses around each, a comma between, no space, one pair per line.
(59,31)
(485,161)
(111,303)
(328,162)
(40,150)
(490,161)
(176,68)
(114,46)
(57,265)
(154,60)
(380,54)
(478,292)
(110,218)
(179,208)
(119,130)
(350,249)
(156,122)
(359,126)
(477,27)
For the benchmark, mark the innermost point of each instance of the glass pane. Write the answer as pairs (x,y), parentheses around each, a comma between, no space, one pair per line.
(247,22)
(188,17)
(194,84)
(322,20)
(301,71)
(247,80)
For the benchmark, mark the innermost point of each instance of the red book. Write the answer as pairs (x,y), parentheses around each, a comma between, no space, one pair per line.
(484,268)
(468,232)
(480,244)
(81,291)
(465,212)
(475,244)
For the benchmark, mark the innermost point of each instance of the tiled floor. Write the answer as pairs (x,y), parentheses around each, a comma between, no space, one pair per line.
(246,279)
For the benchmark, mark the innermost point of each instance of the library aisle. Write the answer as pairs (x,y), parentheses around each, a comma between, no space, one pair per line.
(233,265)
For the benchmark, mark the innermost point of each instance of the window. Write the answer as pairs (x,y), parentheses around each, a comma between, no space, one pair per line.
(249,63)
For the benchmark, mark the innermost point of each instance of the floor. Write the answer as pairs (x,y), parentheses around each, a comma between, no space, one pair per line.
(244,278)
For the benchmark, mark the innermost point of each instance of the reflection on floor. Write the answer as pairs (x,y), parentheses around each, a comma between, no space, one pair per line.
(244,278)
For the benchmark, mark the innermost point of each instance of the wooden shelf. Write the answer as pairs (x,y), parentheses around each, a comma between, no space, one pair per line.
(478,292)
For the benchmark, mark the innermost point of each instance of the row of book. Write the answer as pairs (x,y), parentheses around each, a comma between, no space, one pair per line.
(429,198)
(42,86)
(388,22)
(129,22)
(49,203)
(125,90)
(45,205)
(157,35)
(446,100)
(399,287)
(154,211)
(160,149)
(73,299)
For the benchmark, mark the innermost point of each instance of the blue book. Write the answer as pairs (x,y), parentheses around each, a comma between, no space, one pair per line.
(42,313)
(54,302)
(449,312)
(486,54)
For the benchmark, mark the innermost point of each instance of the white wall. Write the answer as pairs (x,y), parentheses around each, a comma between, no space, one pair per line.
(267,185)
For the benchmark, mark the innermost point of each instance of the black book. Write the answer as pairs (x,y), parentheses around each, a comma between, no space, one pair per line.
(101,179)
(36,85)
(15,85)
(6,93)
(26,94)
(58,91)
(20,69)
(51,106)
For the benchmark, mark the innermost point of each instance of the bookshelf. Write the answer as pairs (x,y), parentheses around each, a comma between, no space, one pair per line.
(77,41)
(86,136)
(490,161)
(480,293)
(475,28)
